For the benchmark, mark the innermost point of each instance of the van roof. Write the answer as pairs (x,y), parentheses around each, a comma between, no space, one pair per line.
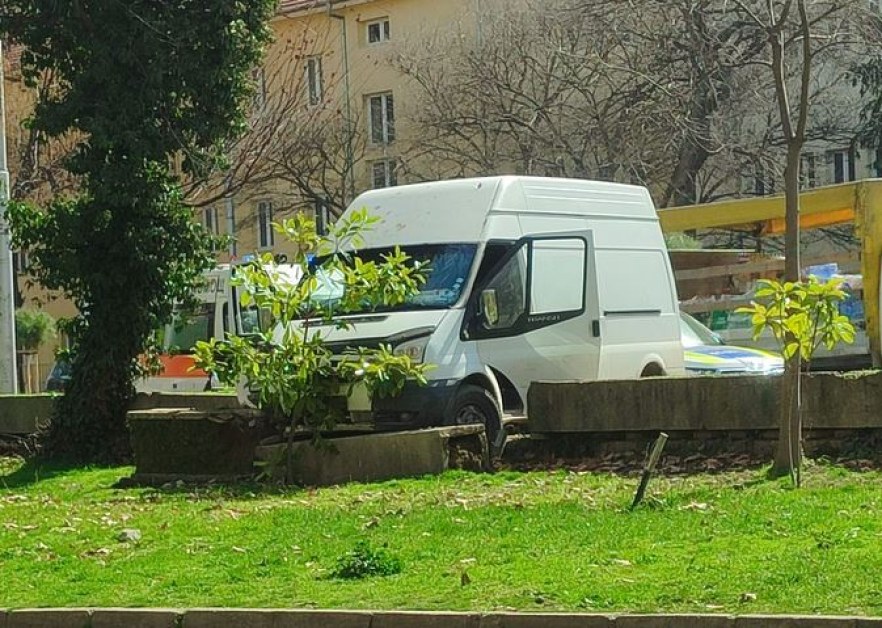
(456,210)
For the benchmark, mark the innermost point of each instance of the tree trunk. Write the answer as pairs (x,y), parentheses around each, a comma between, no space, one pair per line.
(788,454)
(788,457)
(89,421)
(791,214)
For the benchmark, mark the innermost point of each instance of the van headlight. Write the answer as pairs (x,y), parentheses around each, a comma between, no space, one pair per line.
(415,349)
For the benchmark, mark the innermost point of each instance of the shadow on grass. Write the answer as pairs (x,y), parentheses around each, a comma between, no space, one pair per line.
(33,471)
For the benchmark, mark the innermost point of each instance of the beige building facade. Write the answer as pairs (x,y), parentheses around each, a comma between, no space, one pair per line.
(331,70)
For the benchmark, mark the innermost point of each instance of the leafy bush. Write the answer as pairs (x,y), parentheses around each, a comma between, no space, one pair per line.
(365,561)
(33,328)
(801,315)
(287,367)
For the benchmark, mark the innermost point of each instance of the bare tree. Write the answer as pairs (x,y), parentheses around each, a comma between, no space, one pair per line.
(669,94)
(796,34)
(522,98)
(301,138)
(36,164)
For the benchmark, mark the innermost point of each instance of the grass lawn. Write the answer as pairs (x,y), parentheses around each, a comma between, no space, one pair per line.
(532,541)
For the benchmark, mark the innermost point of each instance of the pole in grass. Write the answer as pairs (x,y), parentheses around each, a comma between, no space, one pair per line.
(649,467)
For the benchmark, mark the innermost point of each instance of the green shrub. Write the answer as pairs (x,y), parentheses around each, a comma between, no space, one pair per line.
(365,561)
(33,328)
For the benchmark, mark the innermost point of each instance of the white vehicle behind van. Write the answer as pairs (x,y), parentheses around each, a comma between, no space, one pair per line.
(530,279)
(218,314)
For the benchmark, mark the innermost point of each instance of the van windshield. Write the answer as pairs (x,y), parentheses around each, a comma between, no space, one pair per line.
(449,267)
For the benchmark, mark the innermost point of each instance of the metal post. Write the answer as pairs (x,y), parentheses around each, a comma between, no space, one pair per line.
(350,155)
(230,212)
(8,376)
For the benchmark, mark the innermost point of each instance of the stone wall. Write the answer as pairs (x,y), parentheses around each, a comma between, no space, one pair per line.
(21,414)
(734,403)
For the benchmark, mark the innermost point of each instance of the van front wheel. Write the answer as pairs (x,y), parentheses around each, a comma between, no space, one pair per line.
(472,405)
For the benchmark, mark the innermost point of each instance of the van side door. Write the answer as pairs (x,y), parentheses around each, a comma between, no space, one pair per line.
(536,316)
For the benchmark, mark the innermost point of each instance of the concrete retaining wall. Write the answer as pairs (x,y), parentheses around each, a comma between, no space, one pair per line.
(270,618)
(205,402)
(832,401)
(176,442)
(170,444)
(22,414)
(377,457)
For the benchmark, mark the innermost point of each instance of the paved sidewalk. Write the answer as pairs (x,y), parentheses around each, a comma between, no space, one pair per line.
(271,618)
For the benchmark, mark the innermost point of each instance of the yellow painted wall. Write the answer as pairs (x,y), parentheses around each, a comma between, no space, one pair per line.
(370,70)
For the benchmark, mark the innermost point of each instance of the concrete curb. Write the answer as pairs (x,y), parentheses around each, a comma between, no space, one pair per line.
(290,618)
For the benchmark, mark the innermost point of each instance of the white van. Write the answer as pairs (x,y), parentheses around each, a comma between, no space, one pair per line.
(531,279)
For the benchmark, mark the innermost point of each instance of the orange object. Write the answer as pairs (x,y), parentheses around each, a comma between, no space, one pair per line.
(179,366)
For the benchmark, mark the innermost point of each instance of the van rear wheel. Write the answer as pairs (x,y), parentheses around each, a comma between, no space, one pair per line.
(476,405)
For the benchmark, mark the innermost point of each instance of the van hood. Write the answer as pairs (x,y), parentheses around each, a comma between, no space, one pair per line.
(373,329)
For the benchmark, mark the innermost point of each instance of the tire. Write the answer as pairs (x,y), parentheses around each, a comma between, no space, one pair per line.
(476,405)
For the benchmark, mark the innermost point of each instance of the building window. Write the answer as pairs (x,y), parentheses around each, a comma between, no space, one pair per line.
(322,216)
(209,220)
(20,261)
(761,187)
(808,170)
(258,76)
(378,31)
(383,173)
(842,167)
(381,118)
(314,80)
(265,225)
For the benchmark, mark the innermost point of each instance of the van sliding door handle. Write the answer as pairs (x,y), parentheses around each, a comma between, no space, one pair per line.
(595,328)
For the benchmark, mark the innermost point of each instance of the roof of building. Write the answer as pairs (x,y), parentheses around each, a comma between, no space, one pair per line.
(295,6)
(289,6)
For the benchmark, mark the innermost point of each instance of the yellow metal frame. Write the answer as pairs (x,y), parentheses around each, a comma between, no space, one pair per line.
(859,202)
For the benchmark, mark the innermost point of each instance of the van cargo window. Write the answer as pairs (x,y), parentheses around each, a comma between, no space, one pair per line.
(557,271)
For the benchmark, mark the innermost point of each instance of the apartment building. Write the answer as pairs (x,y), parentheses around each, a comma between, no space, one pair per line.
(329,86)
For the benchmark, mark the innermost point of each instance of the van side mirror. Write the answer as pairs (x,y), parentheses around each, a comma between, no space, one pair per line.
(489,307)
